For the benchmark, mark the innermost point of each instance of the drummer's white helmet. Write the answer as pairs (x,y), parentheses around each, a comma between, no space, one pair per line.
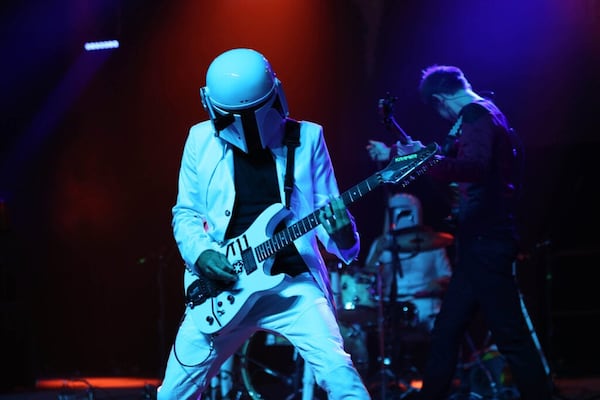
(245,100)
(405,211)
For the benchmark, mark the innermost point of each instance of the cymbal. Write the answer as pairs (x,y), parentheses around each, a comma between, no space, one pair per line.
(419,238)
(409,240)
(422,241)
(412,229)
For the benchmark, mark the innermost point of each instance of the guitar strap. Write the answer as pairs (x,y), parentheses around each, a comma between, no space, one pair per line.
(455,132)
(291,140)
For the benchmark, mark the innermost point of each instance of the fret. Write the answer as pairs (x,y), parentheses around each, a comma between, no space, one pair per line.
(260,252)
(313,220)
(295,231)
(285,236)
(278,242)
(269,246)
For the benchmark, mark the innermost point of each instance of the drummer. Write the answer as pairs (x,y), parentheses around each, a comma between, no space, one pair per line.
(421,264)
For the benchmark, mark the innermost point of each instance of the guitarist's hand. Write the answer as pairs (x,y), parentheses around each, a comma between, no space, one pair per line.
(411,147)
(336,221)
(378,151)
(214,265)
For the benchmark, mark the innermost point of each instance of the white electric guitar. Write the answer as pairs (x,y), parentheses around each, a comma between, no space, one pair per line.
(215,304)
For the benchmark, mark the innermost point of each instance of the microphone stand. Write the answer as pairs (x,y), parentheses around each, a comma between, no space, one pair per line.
(384,361)
(385,108)
(385,353)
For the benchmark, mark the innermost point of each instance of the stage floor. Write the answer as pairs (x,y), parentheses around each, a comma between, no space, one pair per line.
(572,388)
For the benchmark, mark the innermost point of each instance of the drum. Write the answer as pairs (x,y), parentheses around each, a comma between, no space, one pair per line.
(270,367)
(405,314)
(357,303)
(490,376)
(355,343)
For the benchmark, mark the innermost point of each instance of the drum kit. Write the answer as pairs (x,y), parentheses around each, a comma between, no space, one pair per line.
(372,325)
(392,321)
(364,313)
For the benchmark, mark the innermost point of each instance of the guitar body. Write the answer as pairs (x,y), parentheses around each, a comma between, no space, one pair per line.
(214,304)
(254,279)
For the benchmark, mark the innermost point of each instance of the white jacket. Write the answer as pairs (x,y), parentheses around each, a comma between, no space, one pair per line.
(206,196)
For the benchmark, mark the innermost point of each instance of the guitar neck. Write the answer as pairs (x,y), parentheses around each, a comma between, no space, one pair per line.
(386,109)
(402,170)
(286,236)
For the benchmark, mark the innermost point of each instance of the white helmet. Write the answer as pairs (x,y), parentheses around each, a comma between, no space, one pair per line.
(244,99)
(405,211)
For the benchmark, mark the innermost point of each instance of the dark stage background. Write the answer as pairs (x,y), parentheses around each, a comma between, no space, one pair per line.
(91,282)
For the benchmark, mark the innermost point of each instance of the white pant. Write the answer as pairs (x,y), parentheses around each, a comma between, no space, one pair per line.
(299,312)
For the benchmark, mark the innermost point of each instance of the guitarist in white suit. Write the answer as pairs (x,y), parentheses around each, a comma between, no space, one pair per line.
(233,170)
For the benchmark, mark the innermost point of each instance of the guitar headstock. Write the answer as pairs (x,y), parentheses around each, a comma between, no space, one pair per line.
(386,111)
(385,107)
(404,168)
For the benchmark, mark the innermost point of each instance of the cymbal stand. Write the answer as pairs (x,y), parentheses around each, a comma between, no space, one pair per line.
(531,328)
(388,378)
(385,360)
(385,372)
(479,362)
(397,271)
(300,382)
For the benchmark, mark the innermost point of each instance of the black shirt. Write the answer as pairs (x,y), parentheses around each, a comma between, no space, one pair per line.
(483,163)
(257,188)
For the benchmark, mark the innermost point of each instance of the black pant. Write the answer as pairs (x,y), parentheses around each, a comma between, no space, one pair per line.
(483,279)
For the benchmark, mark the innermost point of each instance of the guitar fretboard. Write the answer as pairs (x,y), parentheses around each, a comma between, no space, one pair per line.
(286,236)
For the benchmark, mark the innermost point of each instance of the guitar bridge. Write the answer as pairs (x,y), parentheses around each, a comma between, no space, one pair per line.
(203,289)
(248,261)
